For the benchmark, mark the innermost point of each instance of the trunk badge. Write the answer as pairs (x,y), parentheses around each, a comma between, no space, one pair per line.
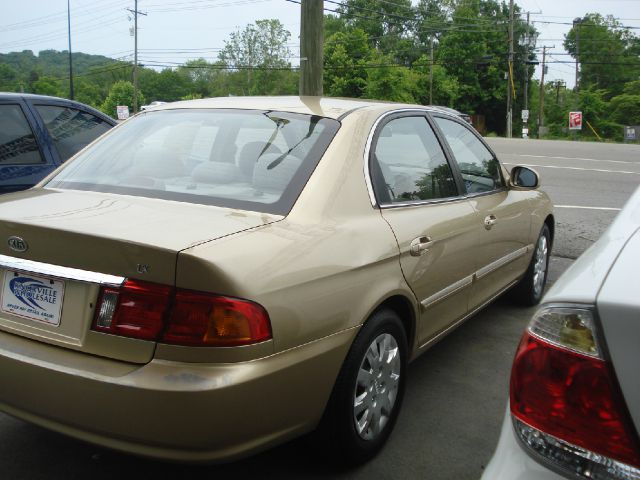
(18,244)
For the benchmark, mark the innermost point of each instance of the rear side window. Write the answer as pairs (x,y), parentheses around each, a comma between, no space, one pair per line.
(479,168)
(245,159)
(70,129)
(408,163)
(18,145)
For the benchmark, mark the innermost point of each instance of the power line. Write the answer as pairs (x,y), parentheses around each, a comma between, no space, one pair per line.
(585,24)
(203,7)
(59,16)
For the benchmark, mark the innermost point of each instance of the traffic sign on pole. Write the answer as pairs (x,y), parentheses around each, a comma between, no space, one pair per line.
(575,120)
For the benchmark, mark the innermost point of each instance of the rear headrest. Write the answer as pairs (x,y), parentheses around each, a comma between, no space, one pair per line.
(249,156)
(157,162)
(273,172)
(216,172)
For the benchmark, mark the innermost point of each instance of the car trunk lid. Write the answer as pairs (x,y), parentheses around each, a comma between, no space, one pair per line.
(75,242)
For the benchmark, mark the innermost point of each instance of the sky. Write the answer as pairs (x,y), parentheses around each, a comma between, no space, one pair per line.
(173,31)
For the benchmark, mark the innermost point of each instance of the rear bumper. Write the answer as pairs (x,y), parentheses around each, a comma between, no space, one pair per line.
(177,411)
(511,462)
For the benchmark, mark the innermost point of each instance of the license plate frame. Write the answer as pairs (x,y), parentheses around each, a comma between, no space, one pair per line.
(35,297)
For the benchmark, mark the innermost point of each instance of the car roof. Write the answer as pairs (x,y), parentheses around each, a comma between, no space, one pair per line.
(32,96)
(330,107)
(49,99)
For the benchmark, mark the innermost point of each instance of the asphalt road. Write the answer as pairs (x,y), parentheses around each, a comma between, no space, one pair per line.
(588,183)
(456,395)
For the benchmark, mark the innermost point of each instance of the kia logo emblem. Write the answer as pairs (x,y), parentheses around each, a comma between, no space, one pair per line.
(18,244)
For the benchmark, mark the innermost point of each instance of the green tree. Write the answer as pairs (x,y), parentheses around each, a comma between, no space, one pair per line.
(121,93)
(389,25)
(608,53)
(386,81)
(88,92)
(202,76)
(345,63)
(474,50)
(625,109)
(333,24)
(168,85)
(262,45)
(47,86)
(8,78)
(446,89)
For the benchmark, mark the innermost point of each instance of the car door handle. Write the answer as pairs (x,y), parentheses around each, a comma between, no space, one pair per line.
(420,246)
(489,221)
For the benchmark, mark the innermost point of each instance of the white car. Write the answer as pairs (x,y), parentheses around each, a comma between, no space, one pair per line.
(574,406)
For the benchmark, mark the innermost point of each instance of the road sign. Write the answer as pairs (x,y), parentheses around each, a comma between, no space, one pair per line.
(122,111)
(575,120)
(525,115)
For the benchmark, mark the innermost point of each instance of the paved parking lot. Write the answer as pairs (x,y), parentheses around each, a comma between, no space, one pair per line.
(457,391)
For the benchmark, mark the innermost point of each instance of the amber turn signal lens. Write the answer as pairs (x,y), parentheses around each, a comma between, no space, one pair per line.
(201,319)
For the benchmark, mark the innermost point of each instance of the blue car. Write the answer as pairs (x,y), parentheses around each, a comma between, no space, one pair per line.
(39,133)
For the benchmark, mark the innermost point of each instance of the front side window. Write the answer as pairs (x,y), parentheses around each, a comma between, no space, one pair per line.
(479,168)
(246,159)
(18,145)
(408,163)
(71,130)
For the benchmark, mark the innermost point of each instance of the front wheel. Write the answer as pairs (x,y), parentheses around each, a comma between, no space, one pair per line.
(366,399)
(530,289)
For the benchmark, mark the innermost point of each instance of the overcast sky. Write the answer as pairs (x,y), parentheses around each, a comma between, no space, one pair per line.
(177,30)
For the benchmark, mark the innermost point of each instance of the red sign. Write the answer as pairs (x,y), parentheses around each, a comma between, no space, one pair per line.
(575,120)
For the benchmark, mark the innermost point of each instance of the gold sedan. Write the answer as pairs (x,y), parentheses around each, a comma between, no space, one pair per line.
(214,277)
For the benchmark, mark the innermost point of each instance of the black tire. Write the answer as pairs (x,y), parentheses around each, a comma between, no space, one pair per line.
(347,442)
(530,289)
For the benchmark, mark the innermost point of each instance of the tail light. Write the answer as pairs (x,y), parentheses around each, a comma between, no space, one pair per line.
(150,311)
(565,399)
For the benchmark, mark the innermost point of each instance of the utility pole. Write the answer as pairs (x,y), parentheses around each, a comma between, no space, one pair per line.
(135,54)
(70,60)
(576,24)
(541,107)
(431,72)
(510,74)
(311,44)
(526,75)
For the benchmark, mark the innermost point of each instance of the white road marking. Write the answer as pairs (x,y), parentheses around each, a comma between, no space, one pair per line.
(574,168)
(588,208)
(572,158)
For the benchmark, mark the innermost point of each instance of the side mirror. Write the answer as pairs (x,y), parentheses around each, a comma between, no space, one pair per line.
(524,177)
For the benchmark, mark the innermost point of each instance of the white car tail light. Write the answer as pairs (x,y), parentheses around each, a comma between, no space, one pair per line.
(565,399)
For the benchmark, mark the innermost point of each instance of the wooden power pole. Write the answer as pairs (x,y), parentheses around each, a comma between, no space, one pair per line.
(510,75)
(135,13)
(71,94)
(311,46)
(541,106)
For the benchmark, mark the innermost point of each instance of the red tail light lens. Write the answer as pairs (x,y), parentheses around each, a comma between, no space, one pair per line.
(573,396)
(135,310)
(201,319)
(150,311)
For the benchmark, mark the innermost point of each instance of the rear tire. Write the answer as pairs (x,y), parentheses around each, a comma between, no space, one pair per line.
(530,289)
(368,393)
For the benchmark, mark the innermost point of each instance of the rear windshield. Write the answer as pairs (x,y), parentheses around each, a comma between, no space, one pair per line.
(245,159)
